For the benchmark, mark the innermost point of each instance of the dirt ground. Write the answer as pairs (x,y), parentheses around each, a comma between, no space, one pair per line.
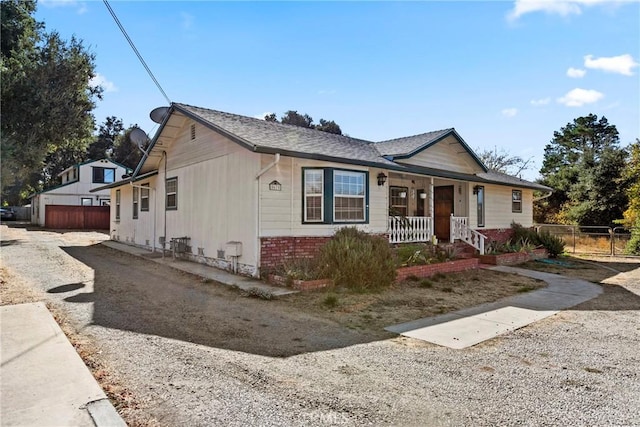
(165,345)
(410,300)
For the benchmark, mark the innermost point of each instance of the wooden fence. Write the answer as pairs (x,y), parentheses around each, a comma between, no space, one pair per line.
(77,217)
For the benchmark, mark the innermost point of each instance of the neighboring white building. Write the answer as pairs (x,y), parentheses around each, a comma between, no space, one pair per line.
(77,181)
(248,193)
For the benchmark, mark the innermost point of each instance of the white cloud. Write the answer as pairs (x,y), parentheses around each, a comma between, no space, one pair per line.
(579,97)
(576,73)
(622,64)
(540,102)
(80,5)
(509,112)
(557,7)
(100,80)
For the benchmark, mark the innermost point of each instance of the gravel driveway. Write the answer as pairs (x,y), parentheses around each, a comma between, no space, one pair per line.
(199,354)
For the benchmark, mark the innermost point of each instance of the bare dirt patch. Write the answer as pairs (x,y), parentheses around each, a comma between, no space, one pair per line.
(411,299)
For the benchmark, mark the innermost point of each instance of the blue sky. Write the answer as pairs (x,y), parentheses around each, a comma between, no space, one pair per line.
(504,74)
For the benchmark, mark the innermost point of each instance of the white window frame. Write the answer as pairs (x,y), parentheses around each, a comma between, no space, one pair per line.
(307,173)
(144,198)
(515,201)
(171,193)
(136,201)
(337,195)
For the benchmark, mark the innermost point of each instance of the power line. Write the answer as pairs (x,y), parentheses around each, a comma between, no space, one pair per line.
(142,61)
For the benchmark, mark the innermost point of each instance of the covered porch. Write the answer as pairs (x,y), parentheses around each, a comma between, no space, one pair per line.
(430,209)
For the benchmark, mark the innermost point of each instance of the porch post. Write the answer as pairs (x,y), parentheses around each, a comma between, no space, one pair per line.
(431,210)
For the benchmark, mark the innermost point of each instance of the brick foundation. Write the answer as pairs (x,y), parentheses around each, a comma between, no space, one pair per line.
(274,250)
(501,235)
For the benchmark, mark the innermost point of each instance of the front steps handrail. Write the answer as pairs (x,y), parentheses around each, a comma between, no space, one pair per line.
(461,230)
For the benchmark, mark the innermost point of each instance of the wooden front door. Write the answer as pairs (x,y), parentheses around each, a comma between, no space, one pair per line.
(442,210)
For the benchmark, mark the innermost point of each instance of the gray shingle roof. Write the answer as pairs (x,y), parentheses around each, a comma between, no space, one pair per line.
(409,144)
(270,137)
(258,133)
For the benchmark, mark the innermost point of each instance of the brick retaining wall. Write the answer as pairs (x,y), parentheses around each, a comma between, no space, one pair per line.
(442,267)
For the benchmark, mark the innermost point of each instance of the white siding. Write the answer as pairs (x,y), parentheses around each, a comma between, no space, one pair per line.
(497,211)
(447,154)
(281,211)
(73,193)
(217,197)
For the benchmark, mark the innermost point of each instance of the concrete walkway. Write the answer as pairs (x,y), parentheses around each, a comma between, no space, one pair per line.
(44,380)
(468,327)
(204,271)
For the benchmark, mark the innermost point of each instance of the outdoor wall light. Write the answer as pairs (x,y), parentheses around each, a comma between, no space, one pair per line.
(382,178)
(476,189)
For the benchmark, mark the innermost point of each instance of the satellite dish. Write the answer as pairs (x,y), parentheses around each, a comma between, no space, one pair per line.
(140,138)
(158,114)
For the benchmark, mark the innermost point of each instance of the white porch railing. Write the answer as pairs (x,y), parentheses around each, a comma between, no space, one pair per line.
(460,230)
(404,229)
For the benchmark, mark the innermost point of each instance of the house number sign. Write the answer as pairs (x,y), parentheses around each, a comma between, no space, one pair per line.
(275,186)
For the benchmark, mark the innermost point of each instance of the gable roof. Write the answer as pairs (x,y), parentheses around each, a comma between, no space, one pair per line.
(270,137)
(261,136)
(77,165)
(409,146)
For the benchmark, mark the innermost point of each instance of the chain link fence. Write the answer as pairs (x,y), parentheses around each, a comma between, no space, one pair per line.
(592,240)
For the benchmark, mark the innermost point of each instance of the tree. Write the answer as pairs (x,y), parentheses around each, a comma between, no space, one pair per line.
(583,164)
(46,100)
(105,142)
(271,117)
(292,117)
(126,152)
(631,217)
(502,161)
(329,126)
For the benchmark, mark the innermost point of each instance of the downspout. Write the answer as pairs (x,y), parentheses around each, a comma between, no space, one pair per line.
(259,211)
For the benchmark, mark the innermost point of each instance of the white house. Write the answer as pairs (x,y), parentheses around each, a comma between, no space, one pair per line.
(77,181)
(247,193)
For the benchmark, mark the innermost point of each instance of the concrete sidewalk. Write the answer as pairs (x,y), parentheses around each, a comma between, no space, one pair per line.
(44,381)
(468,327)
(204,271)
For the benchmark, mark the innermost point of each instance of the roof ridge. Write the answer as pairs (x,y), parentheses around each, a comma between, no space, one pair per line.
(416,135)
(277,124)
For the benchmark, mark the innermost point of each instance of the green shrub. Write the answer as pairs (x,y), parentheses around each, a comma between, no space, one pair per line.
(553,244)
(331,300)
(522,234)
(298,269)
(426,283)
(633,245)
(357,260)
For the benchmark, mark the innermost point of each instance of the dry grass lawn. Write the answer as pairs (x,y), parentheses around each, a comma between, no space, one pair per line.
(410,300)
